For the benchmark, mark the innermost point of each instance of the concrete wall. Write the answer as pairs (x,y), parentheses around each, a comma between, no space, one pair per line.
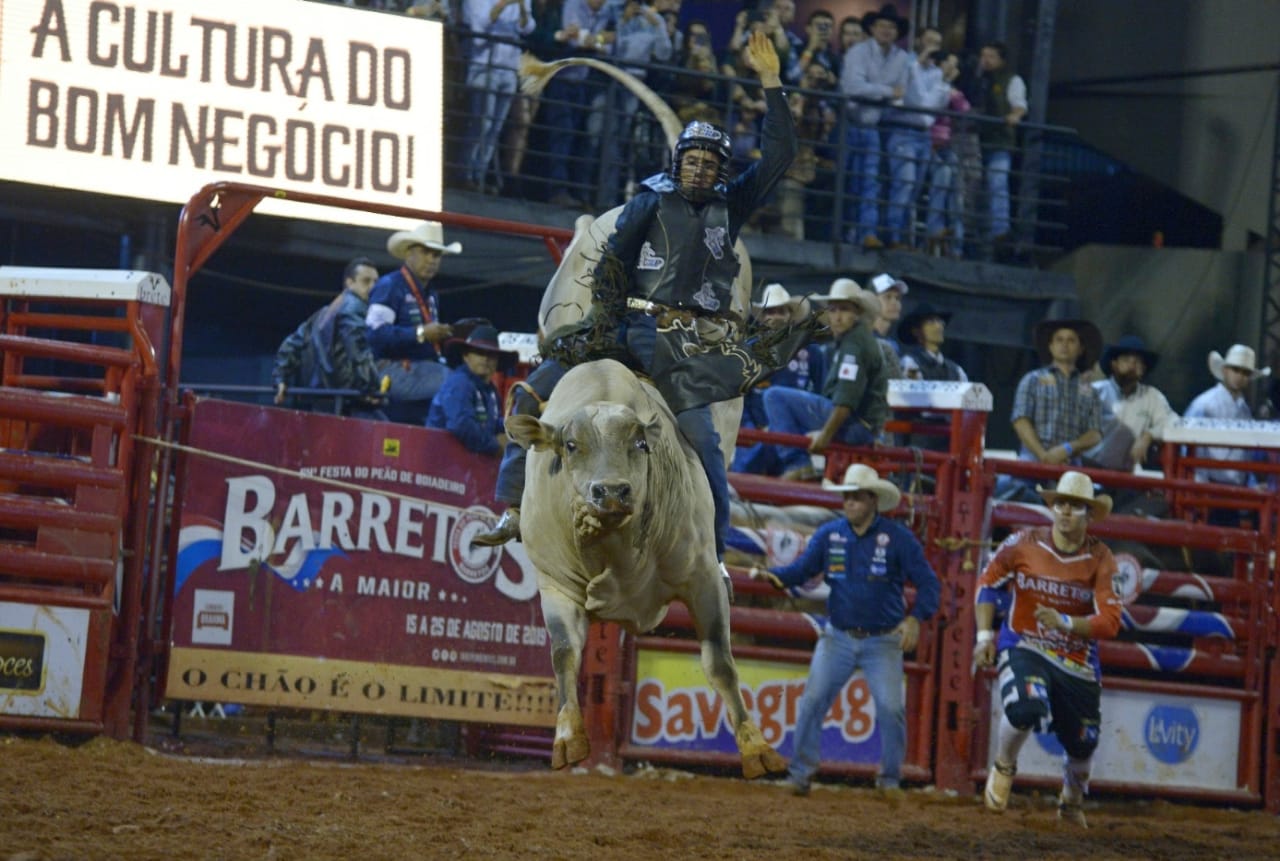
(1183,302)
(1210,138)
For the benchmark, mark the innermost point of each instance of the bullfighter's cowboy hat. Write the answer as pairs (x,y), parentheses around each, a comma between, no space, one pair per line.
(1129,345)
(847,290)
(776,296)
(1239,356)
(428,234)
(483,339)
(859,476)
(1090,340)
(923,311)
(1077,487)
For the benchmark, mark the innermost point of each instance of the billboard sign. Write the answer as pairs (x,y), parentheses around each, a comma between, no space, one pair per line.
(153,99)
(350,585)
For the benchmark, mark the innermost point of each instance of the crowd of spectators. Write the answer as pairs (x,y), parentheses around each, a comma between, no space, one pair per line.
(911,125)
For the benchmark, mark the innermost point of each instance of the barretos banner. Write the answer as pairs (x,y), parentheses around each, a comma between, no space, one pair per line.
(354,590)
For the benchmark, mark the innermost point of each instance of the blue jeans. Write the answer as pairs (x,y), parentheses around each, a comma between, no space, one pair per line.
(797,411)
(835,659)
(862,182)
(944,195)
(492,89)
(909,151)
(564,105)
(412,388)
(542,379)
(998,163)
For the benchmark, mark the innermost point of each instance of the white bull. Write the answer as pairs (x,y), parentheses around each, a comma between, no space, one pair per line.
(617,518)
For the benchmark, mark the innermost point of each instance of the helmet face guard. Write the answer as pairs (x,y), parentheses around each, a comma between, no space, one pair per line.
(704,136)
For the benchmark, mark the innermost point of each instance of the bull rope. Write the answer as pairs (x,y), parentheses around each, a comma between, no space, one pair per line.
(279,470)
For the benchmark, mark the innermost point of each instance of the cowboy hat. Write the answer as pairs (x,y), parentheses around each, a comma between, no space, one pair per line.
(888,12)
(776,296)
(1129,345)
(859,476)
(922,312)
(1077,487)
(483,339)
(1239,356)
(847,290)
(429,234)
(1090,340)
(885,282)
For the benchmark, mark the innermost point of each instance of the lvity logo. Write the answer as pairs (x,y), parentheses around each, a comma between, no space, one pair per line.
(1171,733)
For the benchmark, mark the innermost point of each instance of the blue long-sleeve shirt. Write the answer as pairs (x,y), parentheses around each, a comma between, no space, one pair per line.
(867,574)
(394,317)
(467,407)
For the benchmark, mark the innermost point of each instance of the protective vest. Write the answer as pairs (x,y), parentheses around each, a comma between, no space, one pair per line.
(687,259)
(994,102)
(945,371)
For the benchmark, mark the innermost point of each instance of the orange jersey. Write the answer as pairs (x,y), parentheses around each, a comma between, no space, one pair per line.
(1079,584)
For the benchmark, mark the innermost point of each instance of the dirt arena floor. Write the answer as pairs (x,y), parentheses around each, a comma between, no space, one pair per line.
(216,792)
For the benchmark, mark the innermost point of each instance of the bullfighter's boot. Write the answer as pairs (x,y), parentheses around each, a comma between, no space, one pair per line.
(507,528)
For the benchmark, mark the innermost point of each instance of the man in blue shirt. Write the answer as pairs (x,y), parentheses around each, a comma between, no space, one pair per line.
(467,404)
(866,560)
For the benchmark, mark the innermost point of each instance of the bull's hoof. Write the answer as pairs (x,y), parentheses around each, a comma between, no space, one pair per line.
(762,762)
(569,751)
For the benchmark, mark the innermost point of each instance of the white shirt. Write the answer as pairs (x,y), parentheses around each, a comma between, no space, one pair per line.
(1146,410)
(1218,403)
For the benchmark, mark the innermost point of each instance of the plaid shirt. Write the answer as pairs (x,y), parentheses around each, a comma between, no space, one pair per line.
(1061,408)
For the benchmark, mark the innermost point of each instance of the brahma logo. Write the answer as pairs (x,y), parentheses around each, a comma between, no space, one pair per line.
(1171,733)
(1127,581)
(473,564)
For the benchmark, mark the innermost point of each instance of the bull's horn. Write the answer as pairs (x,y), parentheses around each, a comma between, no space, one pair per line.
(534,75)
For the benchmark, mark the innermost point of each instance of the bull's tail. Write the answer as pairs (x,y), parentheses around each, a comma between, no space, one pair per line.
(534,75)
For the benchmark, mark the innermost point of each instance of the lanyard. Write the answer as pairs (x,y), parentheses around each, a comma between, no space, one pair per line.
(427,308)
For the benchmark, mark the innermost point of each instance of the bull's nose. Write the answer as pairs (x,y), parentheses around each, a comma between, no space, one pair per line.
(610,494)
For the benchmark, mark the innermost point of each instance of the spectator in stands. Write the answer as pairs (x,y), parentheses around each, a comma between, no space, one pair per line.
(945,222)
(1134,414)
(875,73)
(1002,95)
(1050,677)
(542,43)
(854,405)
(889,290)
(330,349)
(816,47)
(467,404)
(693,94)
(786,41)
(777,309)
(492,69)
(589,27)
(908,142)
(815,118)
(851,33)
(433,10)
(404,322)
(921,334)
(1226,400)
(867,561)
(1056,414)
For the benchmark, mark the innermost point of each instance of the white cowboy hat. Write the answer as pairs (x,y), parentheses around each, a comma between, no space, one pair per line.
(885,282)
(429,234)
(1239,356)
(776,296)
(1078,487)
(859,476)
(847,290)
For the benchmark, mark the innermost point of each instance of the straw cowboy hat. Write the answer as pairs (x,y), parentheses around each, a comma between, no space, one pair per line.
(1239,356)
(1090,340)
(483,339)
(859,476)
(1077,487)
(776,296)
(1129,345)
(847,290)
(429,234)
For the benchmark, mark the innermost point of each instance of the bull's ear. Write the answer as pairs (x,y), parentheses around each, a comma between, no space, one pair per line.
(529,433)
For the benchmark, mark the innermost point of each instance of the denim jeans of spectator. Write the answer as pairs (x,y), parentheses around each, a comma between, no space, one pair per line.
(862,182)
(909,151)
(413,385)
(798,412)
(835,658)
(998,163)
(564,107)
(491,89)
(945,196)
(612,112)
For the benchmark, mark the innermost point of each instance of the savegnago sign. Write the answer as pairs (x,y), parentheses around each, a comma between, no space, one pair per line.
(154,98)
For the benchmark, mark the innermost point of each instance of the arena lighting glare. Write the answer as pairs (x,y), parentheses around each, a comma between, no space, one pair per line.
(154,98)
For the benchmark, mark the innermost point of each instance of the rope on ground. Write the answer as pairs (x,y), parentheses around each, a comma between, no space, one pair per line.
(279,470)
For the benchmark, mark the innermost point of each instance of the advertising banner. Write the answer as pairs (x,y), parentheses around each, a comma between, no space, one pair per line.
(155,98)
(42,654)
(1158,739)
(353,587)
(676,709)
